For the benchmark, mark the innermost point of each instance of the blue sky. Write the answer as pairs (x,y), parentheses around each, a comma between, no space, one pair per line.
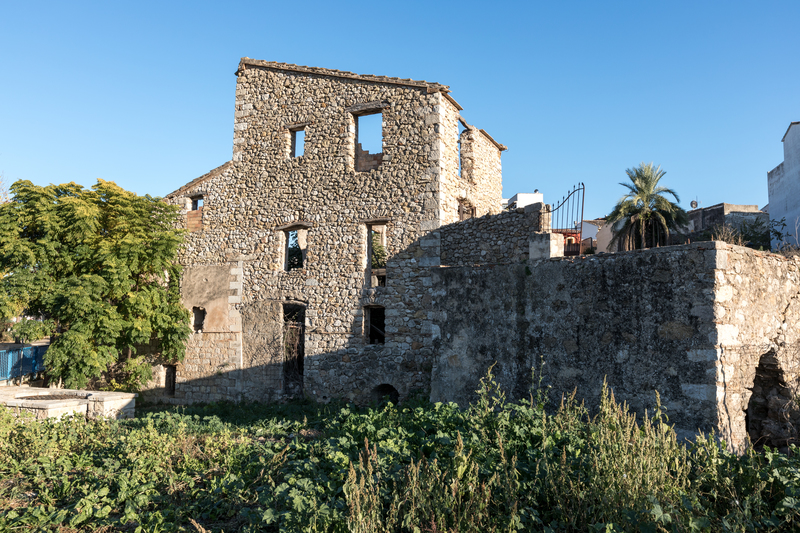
(142,93)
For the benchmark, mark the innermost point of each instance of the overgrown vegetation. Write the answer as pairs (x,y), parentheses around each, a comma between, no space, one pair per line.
(98,266)
(495,466)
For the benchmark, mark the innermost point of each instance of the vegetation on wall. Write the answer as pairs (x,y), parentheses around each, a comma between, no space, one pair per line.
(98,265)
(416,467)
(647,217)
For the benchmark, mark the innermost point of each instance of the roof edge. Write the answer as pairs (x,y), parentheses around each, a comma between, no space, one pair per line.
(501,147)
(197,181)
(319,71)
(787,129)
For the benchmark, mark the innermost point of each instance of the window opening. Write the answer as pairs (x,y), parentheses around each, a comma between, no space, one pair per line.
(376,254)
(198,319)
(461,129)
(294,325)
(375,324)
(298,142)
(295,249)
(194,218)
(770,410)
(465,210)
(369,141)
(170,376)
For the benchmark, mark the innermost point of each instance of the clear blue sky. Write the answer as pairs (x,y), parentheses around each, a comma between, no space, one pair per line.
(142,93)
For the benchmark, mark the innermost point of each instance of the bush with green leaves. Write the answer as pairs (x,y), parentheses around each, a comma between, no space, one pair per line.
(99,265)
(413,467)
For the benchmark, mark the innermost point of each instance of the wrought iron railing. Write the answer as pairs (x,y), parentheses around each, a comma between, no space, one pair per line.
(19,362)
(567,218)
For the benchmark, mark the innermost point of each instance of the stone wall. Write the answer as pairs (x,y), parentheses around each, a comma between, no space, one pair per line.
(690,322)
(251,202)
(499,239)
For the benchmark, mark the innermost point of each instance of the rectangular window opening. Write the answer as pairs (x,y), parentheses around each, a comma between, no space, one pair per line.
(170,377)
(298,142)
(465,210)
(369,141)
(375,324)
(295,249)
(294,325)
(197,203)
(198,319)
(376,254)
(461,129)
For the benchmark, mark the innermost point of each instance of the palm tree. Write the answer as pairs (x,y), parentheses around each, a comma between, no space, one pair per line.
(644,217)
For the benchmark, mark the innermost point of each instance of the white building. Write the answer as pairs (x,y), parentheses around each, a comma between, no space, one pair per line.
(784,182)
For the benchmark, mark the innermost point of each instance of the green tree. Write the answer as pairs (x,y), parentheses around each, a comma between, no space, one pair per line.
(644,217)
(100,264)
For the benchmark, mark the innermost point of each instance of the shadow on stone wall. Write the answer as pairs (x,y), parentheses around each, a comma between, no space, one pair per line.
(687,321)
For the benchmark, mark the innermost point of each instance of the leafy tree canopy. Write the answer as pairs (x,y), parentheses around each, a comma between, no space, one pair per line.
(100,264)
(645,214)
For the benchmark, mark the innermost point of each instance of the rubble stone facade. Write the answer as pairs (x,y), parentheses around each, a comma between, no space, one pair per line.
(332,195)
(712,327)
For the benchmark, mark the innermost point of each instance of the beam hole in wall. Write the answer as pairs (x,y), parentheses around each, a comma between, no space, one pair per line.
(771,415)
(298,142)
(198,319)
(384,391)
(170,378)
(369,141)
(375,324)
(294,327)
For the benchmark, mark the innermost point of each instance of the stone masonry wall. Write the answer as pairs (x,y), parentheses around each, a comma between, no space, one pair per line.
(250,203)
(498,239)
(691,322)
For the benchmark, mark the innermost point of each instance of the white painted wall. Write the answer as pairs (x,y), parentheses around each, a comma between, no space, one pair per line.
(589,230)
(784,184)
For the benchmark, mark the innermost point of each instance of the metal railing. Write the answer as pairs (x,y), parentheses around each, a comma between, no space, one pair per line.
(567,218)
(19,362)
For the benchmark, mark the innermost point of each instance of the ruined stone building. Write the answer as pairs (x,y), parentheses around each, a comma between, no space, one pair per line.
(300,179)
(290,295)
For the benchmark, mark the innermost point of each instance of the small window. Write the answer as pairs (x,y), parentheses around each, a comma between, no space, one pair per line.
(376,254)
(197,203)
(170,377)
(369,141)
(298,142)
(198,319)
(294,317)
(461,129)
(295,253)
(465,210)
(375,324)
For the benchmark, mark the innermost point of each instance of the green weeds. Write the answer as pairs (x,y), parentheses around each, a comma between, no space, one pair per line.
(416,467)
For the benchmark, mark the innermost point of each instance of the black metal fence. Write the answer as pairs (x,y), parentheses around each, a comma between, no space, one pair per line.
(567,218)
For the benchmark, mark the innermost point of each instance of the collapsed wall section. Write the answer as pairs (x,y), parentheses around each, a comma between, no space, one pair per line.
(757,313)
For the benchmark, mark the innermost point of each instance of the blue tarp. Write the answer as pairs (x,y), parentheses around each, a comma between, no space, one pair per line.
(21,362)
